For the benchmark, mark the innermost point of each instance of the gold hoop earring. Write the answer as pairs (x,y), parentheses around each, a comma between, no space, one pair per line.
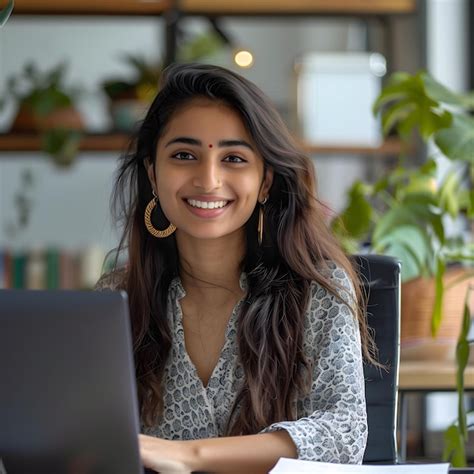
(260,221)
(160,234)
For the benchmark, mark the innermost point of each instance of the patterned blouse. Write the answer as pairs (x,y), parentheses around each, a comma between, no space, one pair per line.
(331,423)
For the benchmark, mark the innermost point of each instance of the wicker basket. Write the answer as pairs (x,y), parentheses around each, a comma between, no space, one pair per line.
(417,307)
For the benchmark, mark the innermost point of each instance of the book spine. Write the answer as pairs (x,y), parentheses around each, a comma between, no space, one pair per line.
(52,269)
(18,273)
(36,270)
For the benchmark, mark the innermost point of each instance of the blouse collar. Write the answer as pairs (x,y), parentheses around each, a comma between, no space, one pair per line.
(177,289)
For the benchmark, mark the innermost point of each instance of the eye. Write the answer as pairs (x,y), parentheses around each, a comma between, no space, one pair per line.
(234,159)
(183,155)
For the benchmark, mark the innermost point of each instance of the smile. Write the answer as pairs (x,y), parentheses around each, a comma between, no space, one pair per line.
(207,204)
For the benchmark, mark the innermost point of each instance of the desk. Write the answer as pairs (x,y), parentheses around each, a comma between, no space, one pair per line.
(425,377)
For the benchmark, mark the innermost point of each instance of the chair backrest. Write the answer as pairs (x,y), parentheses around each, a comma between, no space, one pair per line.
(381,278)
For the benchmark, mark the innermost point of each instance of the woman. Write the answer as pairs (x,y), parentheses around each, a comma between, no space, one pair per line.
(246,321)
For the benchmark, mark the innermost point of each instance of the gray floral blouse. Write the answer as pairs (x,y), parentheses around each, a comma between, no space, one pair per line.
(331,423)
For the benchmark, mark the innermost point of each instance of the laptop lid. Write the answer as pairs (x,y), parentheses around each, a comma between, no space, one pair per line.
(67,398)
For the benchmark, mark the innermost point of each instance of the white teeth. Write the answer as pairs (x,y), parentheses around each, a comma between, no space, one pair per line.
(207,204)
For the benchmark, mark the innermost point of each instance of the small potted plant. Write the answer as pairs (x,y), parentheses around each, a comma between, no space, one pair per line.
(422,216)
(129,98)
(46,105)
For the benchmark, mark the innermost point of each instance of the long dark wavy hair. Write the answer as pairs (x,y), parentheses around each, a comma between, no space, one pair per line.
(297,249)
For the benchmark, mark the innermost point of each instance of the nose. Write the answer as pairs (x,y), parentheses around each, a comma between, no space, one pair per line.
(207,175)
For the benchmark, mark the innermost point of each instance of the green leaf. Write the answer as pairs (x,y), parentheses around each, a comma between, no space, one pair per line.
(356,218)
(6,12)
(395,217)
(62,145)
(409,264)
(439,292)
(396,114)
(470,207)
(406,105)
(457,141)
(412,238)
(390,93)
(462,357)
(449,194)
(440,93)
(454,451)
(431,122)
(201,46)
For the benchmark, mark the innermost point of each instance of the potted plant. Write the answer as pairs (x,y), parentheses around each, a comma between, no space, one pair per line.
(421,214)
(129,98)
(47,106)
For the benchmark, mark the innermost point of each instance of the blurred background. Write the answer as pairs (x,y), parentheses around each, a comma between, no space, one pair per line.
(76,76)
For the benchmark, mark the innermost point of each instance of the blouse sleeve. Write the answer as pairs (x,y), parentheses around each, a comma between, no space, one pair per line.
(332,419)
(111,281)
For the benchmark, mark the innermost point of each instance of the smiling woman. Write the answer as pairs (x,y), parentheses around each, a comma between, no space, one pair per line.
(246,315)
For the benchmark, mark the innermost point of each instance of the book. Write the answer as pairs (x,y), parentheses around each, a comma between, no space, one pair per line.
(18,270)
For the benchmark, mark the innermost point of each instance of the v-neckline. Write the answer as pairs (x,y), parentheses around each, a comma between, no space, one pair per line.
(220,360)
(181,293)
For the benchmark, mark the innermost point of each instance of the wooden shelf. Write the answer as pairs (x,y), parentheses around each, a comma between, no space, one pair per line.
(432,376)
(90,142)
(215,7)
(391,146)
(298,7)
(118,141)
(91,7)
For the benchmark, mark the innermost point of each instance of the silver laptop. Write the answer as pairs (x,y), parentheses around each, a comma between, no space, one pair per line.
(67,384)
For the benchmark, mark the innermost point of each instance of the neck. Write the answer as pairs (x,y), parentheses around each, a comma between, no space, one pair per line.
(210,268)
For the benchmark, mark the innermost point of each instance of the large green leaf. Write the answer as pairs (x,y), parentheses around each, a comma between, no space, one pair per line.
(6,12)
(409,264)
(414,210)
(397,113)
(410,237)
(457,141)
(406,105)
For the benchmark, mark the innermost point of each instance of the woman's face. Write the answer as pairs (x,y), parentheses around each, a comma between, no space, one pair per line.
(208,174)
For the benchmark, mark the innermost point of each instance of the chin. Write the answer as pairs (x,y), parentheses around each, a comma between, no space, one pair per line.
(207,234)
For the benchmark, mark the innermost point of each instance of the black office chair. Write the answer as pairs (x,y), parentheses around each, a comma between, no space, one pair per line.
(381,278)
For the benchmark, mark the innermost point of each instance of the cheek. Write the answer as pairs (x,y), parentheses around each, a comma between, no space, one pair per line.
(249,187)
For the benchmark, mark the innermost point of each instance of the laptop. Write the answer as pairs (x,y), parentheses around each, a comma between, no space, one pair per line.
(67,398)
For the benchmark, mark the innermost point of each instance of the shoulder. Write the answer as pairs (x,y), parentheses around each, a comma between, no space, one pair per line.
(341,284)
(331,318)
(335,304)
(114,280)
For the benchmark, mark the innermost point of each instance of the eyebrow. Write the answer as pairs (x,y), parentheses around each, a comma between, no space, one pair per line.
(221,143)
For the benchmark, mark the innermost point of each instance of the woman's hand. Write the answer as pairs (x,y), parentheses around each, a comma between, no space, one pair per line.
(166,456)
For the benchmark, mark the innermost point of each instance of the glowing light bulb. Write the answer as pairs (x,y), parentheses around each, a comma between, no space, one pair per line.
(243,58)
